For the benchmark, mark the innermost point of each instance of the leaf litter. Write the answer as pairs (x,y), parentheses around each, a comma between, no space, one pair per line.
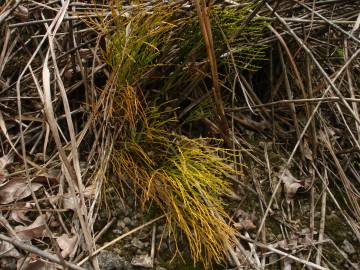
(317,42)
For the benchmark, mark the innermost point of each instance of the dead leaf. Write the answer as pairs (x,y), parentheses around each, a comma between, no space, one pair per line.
(245,224)
(69,202)
(21,12)
(291,184)
(356,25)
(293,243)
(34,230)
(8,250)
(68,245)
(17,189)
(290,190)
(48,178)
(20,215)
(90,191)
(307,151)
(4,161)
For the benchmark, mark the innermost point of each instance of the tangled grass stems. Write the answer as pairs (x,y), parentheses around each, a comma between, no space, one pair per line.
(182,176)
(185,177)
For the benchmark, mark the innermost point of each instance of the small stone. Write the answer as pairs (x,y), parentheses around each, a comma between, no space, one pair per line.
(138,216)
(143,261)
(117,231)
(126,229)
(137,243)
(111,261)
(141,252)
(133,223)
(121,224)
(160,268)
(127,221)
(348,247)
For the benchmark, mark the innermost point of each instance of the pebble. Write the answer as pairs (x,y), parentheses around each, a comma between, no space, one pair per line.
(127,221)
(143,261)
(117,231)
(138,216)
(121,224)
(133,223)
(141,252)
(348,247)
(112,261)
(137,243)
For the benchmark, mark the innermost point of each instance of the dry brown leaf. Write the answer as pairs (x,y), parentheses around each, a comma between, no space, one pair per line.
(20,215)
(4,161)
(8,250)
(69,202)
(90,191)
(21,12)
(291,184)
(290,190)
(50,176)
(307,151)
(293,243)
(68,245)
(245,224)
(17,189)
(34,230)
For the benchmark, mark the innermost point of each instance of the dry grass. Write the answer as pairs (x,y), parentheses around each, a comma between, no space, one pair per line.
(89,89)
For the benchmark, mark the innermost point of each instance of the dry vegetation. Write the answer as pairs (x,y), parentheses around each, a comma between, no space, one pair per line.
(232,124)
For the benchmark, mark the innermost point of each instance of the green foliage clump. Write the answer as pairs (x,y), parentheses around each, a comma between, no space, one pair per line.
(186,179)
(165,45)
(157,54)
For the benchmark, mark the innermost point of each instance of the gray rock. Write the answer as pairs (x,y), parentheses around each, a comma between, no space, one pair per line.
(141,252)
(137,243)
(133,223)
(143,261)
(121,224)
(117,231)
(348,247)
(127,221)
(112,261)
